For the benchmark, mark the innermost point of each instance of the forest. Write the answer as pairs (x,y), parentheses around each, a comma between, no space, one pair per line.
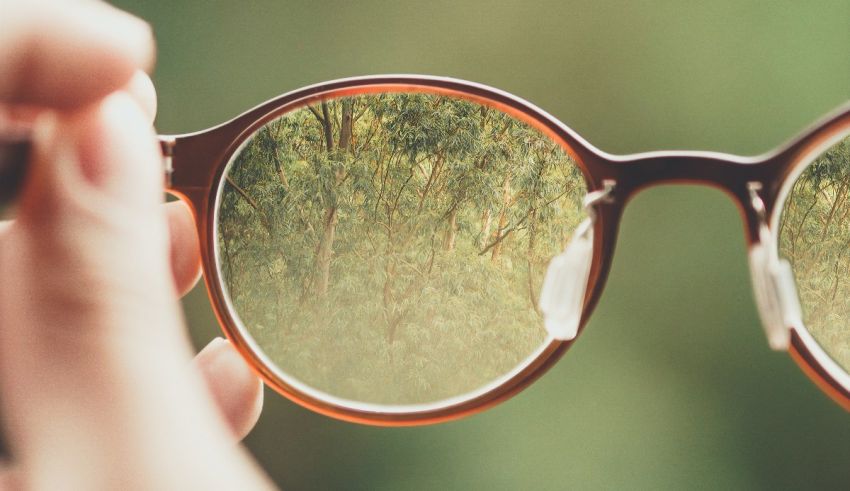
(814,234)
(389,248)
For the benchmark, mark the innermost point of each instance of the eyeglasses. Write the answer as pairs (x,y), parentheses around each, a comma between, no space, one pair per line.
(401,250)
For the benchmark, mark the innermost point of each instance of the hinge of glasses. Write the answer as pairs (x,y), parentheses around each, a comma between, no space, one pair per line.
(773,280)
(565,284)
(167,143)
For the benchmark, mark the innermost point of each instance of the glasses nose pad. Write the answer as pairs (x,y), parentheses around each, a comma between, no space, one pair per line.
(775,291)
(565,284)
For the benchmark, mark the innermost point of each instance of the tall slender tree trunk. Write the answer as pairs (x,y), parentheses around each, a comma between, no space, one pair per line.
(390,313)
(531,257)
(451,232)
(486,222)
(327,128)
(503,219)
(325,252)
(281,174)
(840,194)
(229,269)
(345,127)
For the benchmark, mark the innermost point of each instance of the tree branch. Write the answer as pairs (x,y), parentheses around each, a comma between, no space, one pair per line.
(316,113)
(248,199)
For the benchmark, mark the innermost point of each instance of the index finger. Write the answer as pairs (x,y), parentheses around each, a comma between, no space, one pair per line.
(68,54)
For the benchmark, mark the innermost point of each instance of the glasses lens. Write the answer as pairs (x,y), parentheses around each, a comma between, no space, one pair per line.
(814,234)
(389,248)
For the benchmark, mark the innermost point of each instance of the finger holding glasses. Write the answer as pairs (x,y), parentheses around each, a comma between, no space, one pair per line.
(98,387)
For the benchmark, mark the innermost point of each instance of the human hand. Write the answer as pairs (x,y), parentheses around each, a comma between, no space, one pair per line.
(96,383)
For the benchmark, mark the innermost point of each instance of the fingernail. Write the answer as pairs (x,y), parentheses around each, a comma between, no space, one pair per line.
(143,92)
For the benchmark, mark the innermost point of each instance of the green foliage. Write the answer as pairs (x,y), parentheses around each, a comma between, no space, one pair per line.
(390,248)
(815,236)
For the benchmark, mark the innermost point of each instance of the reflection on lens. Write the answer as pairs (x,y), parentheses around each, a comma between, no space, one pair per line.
(814,234)
(389,248)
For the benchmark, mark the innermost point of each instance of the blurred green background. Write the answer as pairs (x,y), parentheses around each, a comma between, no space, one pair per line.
(672,385)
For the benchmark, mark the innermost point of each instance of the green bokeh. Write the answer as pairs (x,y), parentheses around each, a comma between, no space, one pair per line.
(672,385)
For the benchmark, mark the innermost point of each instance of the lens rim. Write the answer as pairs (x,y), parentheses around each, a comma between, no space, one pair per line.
(805,350)
(239,131)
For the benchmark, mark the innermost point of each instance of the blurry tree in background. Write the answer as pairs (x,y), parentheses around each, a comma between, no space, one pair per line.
(389,248)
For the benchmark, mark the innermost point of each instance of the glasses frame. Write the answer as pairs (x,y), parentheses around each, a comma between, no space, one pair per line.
(195,164)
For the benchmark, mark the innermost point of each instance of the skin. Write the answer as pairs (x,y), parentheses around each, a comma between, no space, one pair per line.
(98,389)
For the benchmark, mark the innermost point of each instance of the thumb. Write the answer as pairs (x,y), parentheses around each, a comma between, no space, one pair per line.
(93,353)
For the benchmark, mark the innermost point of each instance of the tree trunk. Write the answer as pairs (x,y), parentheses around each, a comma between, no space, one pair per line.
(389,302)
(228,269)
(326,127)
(503,219)
(264,219)
(839,198)
(532,260)
(325,252)
(345,126)
(389,275)
(278,167)
(451,232)
(486,221)
(281,174)
(532,233)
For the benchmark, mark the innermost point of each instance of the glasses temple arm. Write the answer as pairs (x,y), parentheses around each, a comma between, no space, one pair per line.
(16,147)
(166,144)
(15,153)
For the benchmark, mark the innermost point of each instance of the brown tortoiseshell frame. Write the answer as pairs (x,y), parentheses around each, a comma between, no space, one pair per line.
(199,160)
(195,164)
